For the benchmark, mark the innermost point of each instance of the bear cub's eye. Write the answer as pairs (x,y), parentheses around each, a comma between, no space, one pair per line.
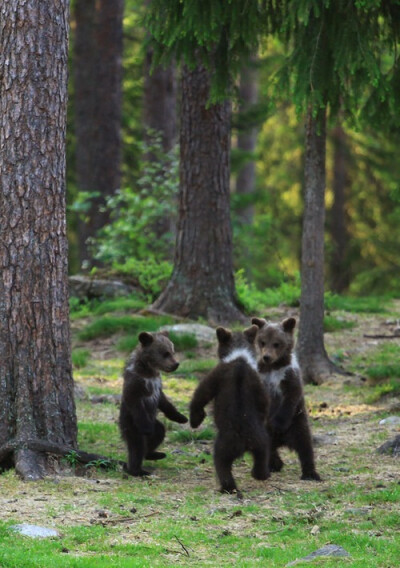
(261,343)
(276,345)
(166,354)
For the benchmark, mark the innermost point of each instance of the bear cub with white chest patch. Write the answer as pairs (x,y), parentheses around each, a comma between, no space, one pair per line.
(240,406)
(142,396)
(281,375)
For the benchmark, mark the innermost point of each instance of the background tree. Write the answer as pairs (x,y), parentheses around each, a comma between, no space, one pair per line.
(98,76)
(202,282)
(36,387)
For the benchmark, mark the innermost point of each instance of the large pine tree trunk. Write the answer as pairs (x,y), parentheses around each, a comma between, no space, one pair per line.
(340,271)
(98,76)
(313,358)
(202,284)
(36,387)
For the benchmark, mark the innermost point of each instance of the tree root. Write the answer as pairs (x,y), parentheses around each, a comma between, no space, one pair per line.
(37,446)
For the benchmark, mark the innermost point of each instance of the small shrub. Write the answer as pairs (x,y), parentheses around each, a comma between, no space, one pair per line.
(80,358)
(106,326)
(255,301)
(183,341)
(332,324)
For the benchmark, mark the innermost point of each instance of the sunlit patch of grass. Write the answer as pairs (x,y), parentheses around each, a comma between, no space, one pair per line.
(192,367)
(389,388)
(101,370)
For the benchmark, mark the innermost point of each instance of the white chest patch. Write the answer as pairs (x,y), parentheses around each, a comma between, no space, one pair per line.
(242,354)
(155,386)
(272,380)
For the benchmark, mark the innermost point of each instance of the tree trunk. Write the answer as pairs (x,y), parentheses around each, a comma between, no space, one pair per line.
(340,272)
(98,76)
(160,118)
(36,386)
(247,140)
(313,358)
(202,283)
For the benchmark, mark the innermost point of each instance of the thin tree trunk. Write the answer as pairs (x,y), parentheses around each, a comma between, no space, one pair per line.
(98,77)
(202,284)
(313,358)
(340,272)
(36,386)
(160,118)
(247,140)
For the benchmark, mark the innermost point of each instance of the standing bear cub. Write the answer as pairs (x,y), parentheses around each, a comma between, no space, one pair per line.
(142,396)
(240,406)
(281,375)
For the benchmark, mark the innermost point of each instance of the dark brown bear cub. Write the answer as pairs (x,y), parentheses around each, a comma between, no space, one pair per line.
(240,406)
(280,373)
(142,396)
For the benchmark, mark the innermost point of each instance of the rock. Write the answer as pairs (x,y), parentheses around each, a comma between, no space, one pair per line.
(106,398)
(327,550)
(390,420)
(35,531)
(201,332)
(84,287)
(391,447)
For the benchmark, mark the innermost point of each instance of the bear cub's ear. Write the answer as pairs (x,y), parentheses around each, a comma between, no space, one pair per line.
(288,325)
(223,335)
(259,322)
(250,333)
(145,338)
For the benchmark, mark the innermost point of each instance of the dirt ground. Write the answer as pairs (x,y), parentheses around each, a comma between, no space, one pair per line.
(341,423)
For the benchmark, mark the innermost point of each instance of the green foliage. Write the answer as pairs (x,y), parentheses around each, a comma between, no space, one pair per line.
(219,33)
(390,387)
(106,326)
(136,212)
(151,274)
(254,301)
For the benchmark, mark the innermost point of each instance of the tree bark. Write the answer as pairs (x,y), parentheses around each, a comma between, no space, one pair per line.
(313,358)
(340,272)
(202,283)
(36,386)
(98,77)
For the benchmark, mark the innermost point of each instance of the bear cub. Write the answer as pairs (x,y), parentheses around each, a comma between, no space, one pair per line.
(142,396)
(240,406)
(281,375)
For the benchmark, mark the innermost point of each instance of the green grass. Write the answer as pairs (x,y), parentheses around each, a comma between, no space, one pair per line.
(80,358)
(107,326)
(332,324)
(81,309)
(371,305)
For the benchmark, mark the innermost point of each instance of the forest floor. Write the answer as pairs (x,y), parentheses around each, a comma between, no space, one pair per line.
(178,515)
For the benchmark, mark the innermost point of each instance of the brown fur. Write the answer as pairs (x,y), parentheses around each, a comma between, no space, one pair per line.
(281,375)
(240,406)
(142,396)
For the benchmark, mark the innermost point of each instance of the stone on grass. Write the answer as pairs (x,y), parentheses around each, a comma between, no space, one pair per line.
(390,420)
(391,447)
(201,332)
(327,550)
(34,531)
